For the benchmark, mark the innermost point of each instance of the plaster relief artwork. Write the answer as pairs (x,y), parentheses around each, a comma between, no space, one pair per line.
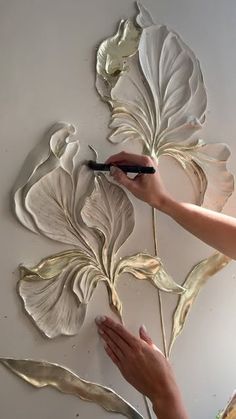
(153,83)
(41,374)
(159,99)
(63,200)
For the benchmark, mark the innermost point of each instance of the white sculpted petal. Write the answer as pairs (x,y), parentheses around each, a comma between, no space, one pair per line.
(52,202)
(144,19)
(205,164)
(109,211)
(43,159)
(48,200)
(160,91)
(160,100)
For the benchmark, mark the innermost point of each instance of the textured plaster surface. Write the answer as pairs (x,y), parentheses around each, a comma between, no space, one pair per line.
(47,75)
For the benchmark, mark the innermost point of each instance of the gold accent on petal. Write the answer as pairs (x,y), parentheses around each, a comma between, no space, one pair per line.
(113,51)
(42,374)
(57,290)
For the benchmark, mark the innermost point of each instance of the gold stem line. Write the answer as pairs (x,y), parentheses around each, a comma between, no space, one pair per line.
(163,331)
(162,324)
(147,407)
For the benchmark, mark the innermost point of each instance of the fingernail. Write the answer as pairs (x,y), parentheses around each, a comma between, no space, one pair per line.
(100,319)
(143,328)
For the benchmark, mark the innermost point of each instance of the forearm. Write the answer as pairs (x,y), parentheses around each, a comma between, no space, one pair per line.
(215,229)
(170,407)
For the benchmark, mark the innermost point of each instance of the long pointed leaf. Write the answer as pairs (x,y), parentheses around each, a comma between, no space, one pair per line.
(41,374)
(195,280)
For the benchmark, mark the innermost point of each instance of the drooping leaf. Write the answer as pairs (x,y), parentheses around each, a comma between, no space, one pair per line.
(57,290)
(193,284)
(146,267)
(42,374)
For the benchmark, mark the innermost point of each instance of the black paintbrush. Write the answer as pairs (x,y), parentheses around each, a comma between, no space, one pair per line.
(103,167)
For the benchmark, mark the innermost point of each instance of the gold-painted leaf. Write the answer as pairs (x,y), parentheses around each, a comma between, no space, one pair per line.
(193,284)
(41,374)
(150,268)
(230,410)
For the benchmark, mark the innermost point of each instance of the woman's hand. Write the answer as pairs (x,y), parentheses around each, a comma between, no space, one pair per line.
(144,366)
(148,188)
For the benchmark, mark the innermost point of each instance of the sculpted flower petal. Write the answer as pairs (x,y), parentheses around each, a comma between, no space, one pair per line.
(53,203)
(160,91)
(109,211)
(44,158)
(205,164)
(49,202)
(144,19)
(57,290)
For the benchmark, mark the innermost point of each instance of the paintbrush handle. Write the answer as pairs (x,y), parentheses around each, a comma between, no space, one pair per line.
(103,167)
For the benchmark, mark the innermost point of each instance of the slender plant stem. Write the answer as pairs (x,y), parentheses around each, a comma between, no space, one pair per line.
(147,407)
(154,225)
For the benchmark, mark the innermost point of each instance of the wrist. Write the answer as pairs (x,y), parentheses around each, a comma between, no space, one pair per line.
(169,407)
(165,204)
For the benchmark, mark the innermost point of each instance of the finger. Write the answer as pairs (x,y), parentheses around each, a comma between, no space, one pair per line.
(130,158)
(109,340)
(119,345)
(111,355)
(120,330)
(122,178)
(144,335)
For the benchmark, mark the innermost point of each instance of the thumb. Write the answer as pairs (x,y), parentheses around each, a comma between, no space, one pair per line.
(122,178)
(144,335)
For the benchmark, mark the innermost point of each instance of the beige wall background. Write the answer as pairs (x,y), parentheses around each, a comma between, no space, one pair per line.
(47,71)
